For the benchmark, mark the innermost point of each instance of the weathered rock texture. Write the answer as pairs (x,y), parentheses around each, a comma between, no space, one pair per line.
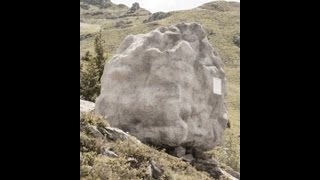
(236,40)
(95,1)
(100,3)
(166,87)
(157,16)
(86,106)
(134,8)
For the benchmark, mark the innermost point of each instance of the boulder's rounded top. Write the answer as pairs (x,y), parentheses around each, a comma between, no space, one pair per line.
(165,39)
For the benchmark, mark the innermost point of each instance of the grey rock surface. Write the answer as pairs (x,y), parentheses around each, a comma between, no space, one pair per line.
(86,106)
(166,87)
(95,132)
(229,176)
(236,40)
(109,153)
(156,172)
(233,173)
(135,6)
(179,151)
(114,133)
(157,16)
(100,3)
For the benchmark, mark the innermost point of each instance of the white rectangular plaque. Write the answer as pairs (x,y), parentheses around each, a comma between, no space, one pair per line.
(217,86)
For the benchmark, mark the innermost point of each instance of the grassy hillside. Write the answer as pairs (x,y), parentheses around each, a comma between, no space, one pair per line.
(221,20)
(126,157)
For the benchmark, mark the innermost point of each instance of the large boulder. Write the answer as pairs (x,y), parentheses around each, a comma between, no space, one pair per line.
(167,88)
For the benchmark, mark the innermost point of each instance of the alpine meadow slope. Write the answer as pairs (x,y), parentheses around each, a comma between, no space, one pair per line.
(221,21)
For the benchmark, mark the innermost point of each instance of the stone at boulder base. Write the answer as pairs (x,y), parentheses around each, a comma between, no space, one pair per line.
(86,106)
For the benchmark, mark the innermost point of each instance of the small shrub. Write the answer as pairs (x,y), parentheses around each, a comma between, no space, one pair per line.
(229,153)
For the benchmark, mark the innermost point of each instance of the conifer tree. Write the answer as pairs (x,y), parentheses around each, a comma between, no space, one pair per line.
(90,75)
(101,57)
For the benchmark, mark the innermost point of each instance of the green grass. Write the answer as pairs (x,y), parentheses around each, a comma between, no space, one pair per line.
(89,28)
(221,18)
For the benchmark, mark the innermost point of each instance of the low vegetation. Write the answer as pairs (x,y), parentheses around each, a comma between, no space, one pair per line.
(133,157)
